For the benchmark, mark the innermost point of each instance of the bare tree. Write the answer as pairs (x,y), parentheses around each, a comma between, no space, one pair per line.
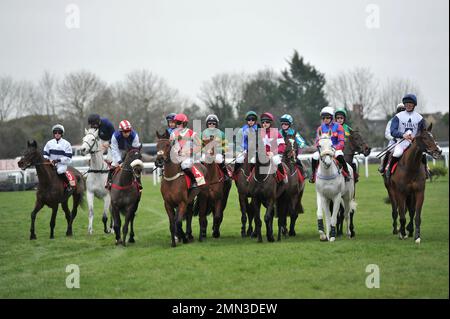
(77,91)
(392,92)
(357,86)
(46,96)
(7,93)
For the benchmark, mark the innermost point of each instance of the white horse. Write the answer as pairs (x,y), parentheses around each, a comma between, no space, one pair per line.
(331,187)
(97,175)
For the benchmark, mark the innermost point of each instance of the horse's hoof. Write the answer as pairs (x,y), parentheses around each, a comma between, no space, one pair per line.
(216,234)
(131,241)
(176,240)
(118,242)
(254,235)
(107,231)
(69,234)
(190,237)
(292,233)
(260,240)
(417,241)
(173,245)
(270,239)
(52,237)
(395,232)
(243,234)
(332,239)
(185,240)
(32,237)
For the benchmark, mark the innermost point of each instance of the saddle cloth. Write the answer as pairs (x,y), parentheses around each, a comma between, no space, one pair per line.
(71,178)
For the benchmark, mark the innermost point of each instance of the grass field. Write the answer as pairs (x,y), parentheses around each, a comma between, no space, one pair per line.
(228,267)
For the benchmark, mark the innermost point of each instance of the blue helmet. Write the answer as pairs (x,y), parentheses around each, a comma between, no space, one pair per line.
(410,98)
(170,116)
(286,118)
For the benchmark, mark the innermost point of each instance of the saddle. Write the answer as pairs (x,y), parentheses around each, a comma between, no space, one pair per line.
(341,170)
(300,176)
(199,177)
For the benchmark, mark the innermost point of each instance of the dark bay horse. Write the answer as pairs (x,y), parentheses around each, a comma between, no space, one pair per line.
(178,199)
(50,190)
(125,194)
(406,187)
(246,207)
(354,145)
(289,203)
(215,195)
(264,189)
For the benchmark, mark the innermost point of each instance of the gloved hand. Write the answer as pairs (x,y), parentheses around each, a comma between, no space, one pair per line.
(56,161)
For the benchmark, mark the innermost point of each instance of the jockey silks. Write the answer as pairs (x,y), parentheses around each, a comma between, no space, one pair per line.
(121,144)
(336,131)
(106,129)
(407,121)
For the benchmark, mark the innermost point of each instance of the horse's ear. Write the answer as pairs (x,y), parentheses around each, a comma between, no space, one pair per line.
(430,127)
(32,143)
(158,135)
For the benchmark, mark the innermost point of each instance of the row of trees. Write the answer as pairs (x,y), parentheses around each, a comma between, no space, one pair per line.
(145,98)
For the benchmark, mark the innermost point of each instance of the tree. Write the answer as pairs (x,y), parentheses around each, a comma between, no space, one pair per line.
(302,89)
(222,96)
(357,86)
(77,91)
(7,93)
(392,92)
(46,96)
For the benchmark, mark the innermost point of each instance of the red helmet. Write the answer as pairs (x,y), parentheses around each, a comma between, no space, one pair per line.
(267,116)
(181,118)
(125,126)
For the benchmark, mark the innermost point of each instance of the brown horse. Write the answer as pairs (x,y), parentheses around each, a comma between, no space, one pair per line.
(354,145)
(406,187)
(246,207)
(289,203)
(178,199)
(125,194)
(50,190)
(215,195)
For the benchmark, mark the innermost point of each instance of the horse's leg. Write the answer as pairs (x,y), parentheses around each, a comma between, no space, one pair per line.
(419,202)
(53,220)
(202,219)
(37,207)
(106,209)
(189,215)
(294,216)
(394,210)
(90,200)
(117,224)
(131,240)
(218,216)
(401,205)
(171,214)
(179,221)
(256,208)
(268,219)
(320,226)
(65,207)
(411,203)
(243,206)
(326,207)
(340,221)
(334,213)
(76,201)
(128,212)
(251,218)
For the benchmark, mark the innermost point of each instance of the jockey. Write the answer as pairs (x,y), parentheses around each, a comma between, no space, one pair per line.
(121,142)
(212,131)
(171,124)
(337,137)
(388,136)
(286,130)
(59,152)
(250,117)
(273,139)
(185,142)
(104,126)
(406,125)
(341,117)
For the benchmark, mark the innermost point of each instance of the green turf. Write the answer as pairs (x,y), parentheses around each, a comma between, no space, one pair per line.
(229,267)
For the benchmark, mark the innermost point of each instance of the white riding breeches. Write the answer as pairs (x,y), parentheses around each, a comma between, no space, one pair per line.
(217,159)
(60,168)
(400,148)
(276,159)
(187,163)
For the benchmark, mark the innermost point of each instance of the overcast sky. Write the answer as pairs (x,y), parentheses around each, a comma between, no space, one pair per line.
(187,42)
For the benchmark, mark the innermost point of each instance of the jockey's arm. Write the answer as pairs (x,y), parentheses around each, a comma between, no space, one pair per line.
(394,128)
(341,138)
(280,143)
(116,156)
(387,131)
(46,151)
(300,140)
(136,143)
(66,159)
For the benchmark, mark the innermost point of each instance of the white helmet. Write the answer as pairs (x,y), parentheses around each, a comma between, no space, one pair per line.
(328,110)
(58,127)
(212,118)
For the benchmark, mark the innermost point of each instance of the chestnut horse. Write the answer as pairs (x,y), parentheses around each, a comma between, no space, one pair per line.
(214,198)
(178,199)
(406,187)
(125,194)
(50,189)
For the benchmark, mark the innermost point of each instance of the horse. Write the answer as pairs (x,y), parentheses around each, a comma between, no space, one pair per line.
(214,197)
(289,203)
(50,189)
(241,180)
(178,199)
(264,189)
(354,144)
(406,187)
(96,177)
(332,187)
(125,194)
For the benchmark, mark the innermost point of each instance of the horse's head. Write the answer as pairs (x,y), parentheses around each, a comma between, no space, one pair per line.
(427,144)
(326,150)
(31,156)
(90,141)
(291,145)
(163,147)
(357,143)
(133,159)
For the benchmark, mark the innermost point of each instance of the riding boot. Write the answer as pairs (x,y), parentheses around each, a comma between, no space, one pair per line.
(343,163)
(382,167)
(355,172)
(425,164)
(300,167)
(67,189)
(283,173)
(314,163)
(109,179)
(390,166)
(189,173)
(224,169)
